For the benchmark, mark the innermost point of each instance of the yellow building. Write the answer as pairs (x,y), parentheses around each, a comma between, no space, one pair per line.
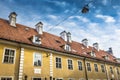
(32,54)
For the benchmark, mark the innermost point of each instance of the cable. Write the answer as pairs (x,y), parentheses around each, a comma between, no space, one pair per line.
(63,20)
(68,17)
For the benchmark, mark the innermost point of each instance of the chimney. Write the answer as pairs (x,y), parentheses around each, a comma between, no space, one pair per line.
(96,46)
(69,37)
(85,42)
(39,27)
(12,19)
(64,35)
(110,50)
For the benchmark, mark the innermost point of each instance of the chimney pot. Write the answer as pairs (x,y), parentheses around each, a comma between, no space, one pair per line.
(39,27)
(96,46)
(12,19)
(64,35)
(85,42)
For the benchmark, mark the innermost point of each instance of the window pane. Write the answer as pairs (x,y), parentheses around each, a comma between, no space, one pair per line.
(7,52)
(37,59)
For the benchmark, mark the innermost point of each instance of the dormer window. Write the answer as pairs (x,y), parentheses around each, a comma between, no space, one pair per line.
(93,54)
(36,39)
(67,47)
(106,57)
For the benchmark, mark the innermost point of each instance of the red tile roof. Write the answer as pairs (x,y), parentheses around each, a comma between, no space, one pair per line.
(22,34)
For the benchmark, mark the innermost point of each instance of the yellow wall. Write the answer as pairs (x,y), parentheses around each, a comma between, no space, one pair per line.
(29,67)
(9,69)
(93,74)
(64,72)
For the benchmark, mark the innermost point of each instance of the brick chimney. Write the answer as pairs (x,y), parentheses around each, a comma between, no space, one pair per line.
(39,27)
(12,19)
(85,42)
(96,46)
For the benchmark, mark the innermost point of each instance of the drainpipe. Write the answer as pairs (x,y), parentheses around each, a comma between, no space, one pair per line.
(107,75)
(85,69)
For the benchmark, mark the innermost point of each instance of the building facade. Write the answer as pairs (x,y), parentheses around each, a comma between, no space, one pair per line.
(32,54)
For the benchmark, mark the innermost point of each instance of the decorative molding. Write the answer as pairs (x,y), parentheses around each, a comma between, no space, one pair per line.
(51,64)
(21,64)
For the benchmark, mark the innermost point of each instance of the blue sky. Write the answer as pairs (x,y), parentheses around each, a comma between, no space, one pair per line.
(101,24)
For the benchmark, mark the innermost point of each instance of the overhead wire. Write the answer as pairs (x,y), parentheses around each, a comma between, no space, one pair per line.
(79,10)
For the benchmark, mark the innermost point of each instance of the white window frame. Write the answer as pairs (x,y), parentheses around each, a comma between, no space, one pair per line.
(4,55)
(72,64)
(89,66)
(96,67)
(34,58)
(61,62)
(102,69)
(67,47)
(6,77)
(80,65)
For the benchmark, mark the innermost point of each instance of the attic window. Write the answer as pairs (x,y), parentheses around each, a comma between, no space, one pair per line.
(106,57)
(92,54)
(36,39)
(67,47)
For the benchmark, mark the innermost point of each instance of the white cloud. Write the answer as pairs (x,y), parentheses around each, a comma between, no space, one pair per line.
(107,19)
(52,17)
(83,19)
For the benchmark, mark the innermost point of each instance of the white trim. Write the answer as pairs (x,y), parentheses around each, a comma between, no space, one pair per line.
(41,58)
(7,77)
(4,55)
(72,63)
(21,64)
(51,64)
(61,62)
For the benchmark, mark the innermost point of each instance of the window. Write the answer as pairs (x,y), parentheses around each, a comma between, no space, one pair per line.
(79,65)
(6,78)
(111,70)
(70,64)
(117,71)
(58,62)
(36,39)
(37,59)
(93,54)
(88,67)
(102,68)
(96,67)
(67,47)
(37,79)
(9,56)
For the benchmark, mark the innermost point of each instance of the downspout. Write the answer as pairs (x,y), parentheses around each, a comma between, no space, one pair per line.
(84,60)
(106,72)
